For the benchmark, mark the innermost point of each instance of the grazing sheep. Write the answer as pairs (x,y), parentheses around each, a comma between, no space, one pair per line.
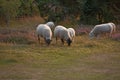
(51,25)
(102,28)
(62,33)
(72,33)
(45,32)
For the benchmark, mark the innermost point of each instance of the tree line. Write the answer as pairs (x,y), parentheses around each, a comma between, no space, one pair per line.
(80,11)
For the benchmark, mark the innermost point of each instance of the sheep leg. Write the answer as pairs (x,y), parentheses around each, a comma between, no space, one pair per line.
(110,35)
(62,41)
(111,31)
(56,40)
(38,39)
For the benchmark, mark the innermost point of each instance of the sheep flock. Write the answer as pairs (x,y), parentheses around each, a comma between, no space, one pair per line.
(48,31)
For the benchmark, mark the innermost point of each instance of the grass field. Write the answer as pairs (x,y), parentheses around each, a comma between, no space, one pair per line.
(22,58)
(84,60)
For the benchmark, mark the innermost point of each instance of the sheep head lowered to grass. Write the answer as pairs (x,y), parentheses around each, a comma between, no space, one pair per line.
(44,31)
(62,33)
(102,28)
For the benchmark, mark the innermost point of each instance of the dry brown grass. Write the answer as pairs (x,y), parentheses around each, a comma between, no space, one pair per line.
(22,58)
(85,59)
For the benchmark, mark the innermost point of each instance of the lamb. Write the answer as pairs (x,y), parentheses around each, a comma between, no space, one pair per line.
(44,31)
(62,33)
(51,25)
(102,28)
(72,33)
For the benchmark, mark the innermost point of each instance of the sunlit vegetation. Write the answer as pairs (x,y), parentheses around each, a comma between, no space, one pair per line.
(77,11)
(21,57)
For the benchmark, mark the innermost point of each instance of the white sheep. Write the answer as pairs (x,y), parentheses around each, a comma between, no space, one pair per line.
(114,26)
(102,28)
(51,25)
(62,33)
(44,31)
(72,33)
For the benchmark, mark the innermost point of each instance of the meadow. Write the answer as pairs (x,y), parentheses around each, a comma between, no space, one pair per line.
(22,58)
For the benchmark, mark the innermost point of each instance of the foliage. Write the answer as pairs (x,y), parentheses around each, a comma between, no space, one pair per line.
(11,9)
(82,11)
(97,11)
(25,8)
(8,9)
(57,10)
(87,11)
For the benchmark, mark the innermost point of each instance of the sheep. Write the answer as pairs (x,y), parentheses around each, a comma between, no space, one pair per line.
(102,28)
(44,31)
(51,25)
(62,33)
(114,27)
(72,33)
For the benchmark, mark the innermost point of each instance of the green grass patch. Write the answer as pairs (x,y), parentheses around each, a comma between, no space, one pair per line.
(8,61)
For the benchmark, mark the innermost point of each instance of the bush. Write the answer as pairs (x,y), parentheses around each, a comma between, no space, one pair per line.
(17,36)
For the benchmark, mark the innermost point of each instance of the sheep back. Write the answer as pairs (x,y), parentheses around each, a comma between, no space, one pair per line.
(72,32)
(51,25)
(62,33)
